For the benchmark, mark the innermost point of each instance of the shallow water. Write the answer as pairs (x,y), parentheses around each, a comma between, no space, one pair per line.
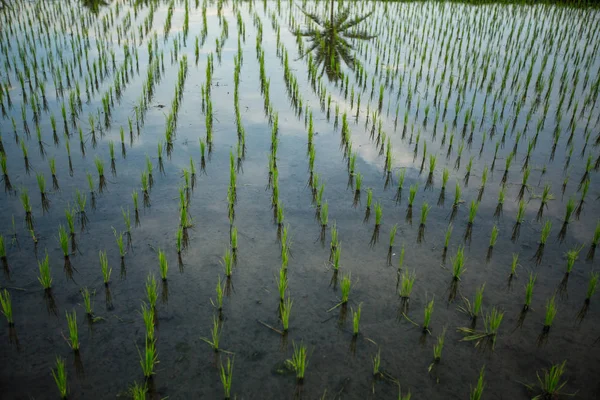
(188,367)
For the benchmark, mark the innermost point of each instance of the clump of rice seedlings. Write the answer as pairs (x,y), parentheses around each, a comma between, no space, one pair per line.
(5,178)
(345,285)
(228,263)
(551,385)
(356,320)
(215,334)
(280,219)
(73,339)
(234,242)
(134,197)
(412,193)
(25,156)
(218,303)
(468,173)
(437,350)
(539,254)
(390,247)
(127,221)
(473,310)
(499,206)
(25,202)
(106,271)
(458,268)
(513,268)
(226,374)
(425,208)
(401,176)
(145,188)
(45,278)
(584,192)
(101,179)
(87,303)
(477,391)
(493,239)
(378,219)
(368,208)
(163,265)
(63,240)
(111,151)
(52,164)
(41,181)
(81,200)
(376,360)
(484,176)
(407,281)
(120,243)
(70,216)
(202,156)
(149,169)
(324,219)
(285,309)
(357,189)
(298,362)
(432,163)
(572,256)
(427,316)
(529,291)
(148,317)
(59,373)
(508,163)
(149,358)
(569,208)
(491,324)
(457,201)
(90,181)
(138,392)
(442,197)
(516,231)
(546,196)
(524,185)
(151,291)
(335,242)
(591,289)
(447,236)
(472,213)
(550,314)
(6,304)
(594,244)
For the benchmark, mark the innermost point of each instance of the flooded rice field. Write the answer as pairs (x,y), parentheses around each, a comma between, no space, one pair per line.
(248,199)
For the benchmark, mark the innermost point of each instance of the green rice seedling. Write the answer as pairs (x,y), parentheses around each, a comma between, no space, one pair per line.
(41,181)
(52,164)
(285,309)
(491,324)
(337,253)
(427,316)
(138,392)
(45,277)
(407,282)
(151,290)
(111,151)
(551,384)
(412,192)
(543,239)
(458,263)
(148,317)
(546,196)
(5,178)
(572,256)
(425,208)
(226,374)
(378,219)
(101,179)
(63,240)
(376,361)
(595,241)
(369,202)
(163,265)
(524,185)
(73,335)
(134,197)
(391,243)
(474,309)
(215,333)
(345,285)
(447,236)
(529,291)
(228,263)
(551,312)
(356,319)
(591,288)
(87,302)
(234,240)
(282,284)
(437,349)
(145,188)
(499,206)
(149,359)
(299,361)
(59,373)
(219,292)
(477,391)
(472,213)
(357,189)
(27,208)
(519,220)
(401,176)
(25,156)
(484,176)
(432,163)
(493,239)
(106,271)
(6,304)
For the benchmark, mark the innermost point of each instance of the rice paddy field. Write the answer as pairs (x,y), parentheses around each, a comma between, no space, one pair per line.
(260,199)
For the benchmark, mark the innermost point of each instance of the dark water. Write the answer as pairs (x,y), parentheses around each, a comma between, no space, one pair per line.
(188,368)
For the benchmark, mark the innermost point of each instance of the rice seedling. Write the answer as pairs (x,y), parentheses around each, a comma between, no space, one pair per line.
(442,196)
(45,277)
(425,208)
(493,239)
(427,316)
(87,303)
(524,185)
(584,192)
(437,350)
(356,319)
(378,219)
(285,309)
(163,265)
(472,213)
(550,314)
(546,196)
(101,179)
(149,358)
(299,361)
(218,304)
(484,177)
(519,220)
(477,391)
(148,317)
(106,271)
(569,208)
(138,392)
(368,208)
(145,189)
(151,290)
(376,361)
(401,176)
(226,374)
(134,197)
(27,208)
(412,193)
(499,206)
(529,291)
(324,219)
(551,384)
(25,156)
(52,164)
(491,324)
(473,310)
(227,261)
(432,163)
(6,305)
(215,333)
(73,339)
(357,189)
(591,288)
(5,178)
(345,285)
(59,373)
